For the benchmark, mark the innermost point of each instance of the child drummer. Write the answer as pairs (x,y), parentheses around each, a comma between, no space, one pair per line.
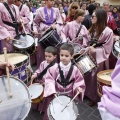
(50,56)
(64,78)
(40,73)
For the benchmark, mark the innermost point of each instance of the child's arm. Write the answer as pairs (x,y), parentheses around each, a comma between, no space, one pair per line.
(79,84)
(50,82)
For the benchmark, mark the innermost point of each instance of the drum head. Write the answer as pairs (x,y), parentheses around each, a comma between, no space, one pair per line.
(17,107)
(77,48)
(26,41)
(105,76)
(35,90)
(14,58)
(69,113)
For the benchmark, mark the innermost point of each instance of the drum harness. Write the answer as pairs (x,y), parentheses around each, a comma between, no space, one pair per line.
(15,24)
(94,41)
(65,81)
(77,34)
(40,76)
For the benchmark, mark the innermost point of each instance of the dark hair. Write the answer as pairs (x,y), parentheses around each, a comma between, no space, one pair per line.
(51,49)
(79,12)
(101,22)
(67,47)
(118,10)
(91,9)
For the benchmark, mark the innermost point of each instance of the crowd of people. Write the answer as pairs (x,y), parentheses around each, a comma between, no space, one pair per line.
(92,27)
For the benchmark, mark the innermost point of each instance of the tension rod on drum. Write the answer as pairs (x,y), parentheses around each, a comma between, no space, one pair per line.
(7,72)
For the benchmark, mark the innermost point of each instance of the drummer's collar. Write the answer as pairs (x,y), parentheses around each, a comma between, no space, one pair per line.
(65,66)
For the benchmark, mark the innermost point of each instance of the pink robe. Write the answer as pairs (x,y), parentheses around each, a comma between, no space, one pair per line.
(8,30)
(53,75)
(102,58)
(109,106)
(39,26)
(70,30)
(42,66)
(25,16)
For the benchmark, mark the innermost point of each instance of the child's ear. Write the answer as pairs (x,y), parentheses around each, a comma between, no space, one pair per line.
(72,57)
(55,56)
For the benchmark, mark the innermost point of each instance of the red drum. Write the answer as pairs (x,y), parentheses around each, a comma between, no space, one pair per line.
(103,79)
(50,38)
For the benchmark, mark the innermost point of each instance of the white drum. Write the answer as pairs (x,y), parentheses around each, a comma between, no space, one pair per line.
(36,92)
(17,107)
(55,108)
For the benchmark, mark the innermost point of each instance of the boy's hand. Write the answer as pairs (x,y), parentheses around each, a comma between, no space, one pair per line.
(79,90)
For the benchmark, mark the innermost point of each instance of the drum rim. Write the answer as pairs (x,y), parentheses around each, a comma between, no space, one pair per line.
(26,47)
(48,108)
(101,80)
(114,53)
(27,92)
(19,64)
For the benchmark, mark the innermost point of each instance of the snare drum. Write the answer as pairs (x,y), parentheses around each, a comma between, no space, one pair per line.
(103,79)
(77,48)
(85,63)
(17,107)
(36,92)
(116,49)
(50,38)
(55,108)
(27,43)
(21,61)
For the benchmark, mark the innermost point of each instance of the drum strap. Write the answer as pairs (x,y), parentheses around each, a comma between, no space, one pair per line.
(65,82)
(21,7)
(15,23)
(40,76)
(77,33)
(94,41)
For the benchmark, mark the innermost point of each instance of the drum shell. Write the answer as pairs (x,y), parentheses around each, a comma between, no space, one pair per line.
(50,38)
(83,68)
(29,49)
(20,70)
(40,97)
(115,52)
(102,82)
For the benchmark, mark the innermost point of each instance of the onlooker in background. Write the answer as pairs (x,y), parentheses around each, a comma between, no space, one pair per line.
(118,22)
(87,20)
(83,6)
(34,8)
(98,6)
(114,12)
(71,11)
(42,3)
(110,19)
(65,8)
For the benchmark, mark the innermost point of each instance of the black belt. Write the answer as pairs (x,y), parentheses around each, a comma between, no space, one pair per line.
(14,25)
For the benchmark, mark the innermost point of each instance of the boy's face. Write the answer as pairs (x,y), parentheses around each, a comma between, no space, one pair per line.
(65,57)
(49,57)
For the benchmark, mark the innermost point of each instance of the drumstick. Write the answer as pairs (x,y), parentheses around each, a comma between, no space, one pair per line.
(23,26)
(58,99)
(71,101)
(7,71)
(18,40)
